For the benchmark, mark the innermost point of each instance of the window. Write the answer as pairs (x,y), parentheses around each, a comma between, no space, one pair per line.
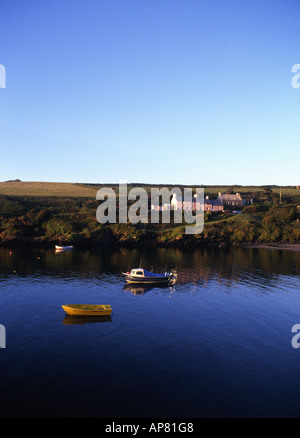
(139,273)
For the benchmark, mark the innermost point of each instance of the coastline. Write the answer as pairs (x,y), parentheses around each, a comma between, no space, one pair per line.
(278,246)
(184,242)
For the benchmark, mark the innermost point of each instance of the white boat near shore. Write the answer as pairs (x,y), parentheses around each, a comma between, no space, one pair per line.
(63,248)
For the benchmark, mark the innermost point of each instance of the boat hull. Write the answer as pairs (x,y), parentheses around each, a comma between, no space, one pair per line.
(145,280)
(63,248)
(87,309)
(142,276)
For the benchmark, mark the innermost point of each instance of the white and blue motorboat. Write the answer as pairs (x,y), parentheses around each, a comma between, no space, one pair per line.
(139,275)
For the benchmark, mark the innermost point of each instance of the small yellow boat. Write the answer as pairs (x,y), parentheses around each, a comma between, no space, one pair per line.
(87,309)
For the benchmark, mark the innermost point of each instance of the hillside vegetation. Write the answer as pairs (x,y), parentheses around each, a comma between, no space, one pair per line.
(47,213)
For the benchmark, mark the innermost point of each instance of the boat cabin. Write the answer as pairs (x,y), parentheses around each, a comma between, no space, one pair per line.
(138,271)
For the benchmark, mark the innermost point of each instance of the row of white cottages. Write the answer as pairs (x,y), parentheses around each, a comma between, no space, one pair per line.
(214,205)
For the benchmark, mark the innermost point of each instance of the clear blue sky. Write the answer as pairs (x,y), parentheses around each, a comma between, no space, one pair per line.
(154,91)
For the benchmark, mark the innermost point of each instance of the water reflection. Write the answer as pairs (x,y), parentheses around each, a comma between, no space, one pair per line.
(63,251)
(199,267)
(75,320)
(141,289)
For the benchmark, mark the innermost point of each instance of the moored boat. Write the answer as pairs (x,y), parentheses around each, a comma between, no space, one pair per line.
(63,248)
(140,275)
(87,309)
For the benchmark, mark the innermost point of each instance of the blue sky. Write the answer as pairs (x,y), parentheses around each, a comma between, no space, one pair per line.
(154,91)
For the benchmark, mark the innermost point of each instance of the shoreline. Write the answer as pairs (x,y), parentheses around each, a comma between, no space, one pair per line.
(116,243)
(279,246)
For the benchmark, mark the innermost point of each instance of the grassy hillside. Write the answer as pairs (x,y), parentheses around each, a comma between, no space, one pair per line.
(28,188)
(35,188)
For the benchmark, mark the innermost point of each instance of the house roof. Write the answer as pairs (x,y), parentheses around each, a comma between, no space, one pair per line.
(217,202)
(230,196)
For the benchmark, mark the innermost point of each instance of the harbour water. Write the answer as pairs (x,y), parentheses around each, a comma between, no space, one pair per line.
(215,344)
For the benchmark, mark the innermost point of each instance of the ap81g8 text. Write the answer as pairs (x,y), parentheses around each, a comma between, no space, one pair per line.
(171,427)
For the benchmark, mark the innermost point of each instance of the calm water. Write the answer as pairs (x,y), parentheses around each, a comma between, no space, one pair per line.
(218,343)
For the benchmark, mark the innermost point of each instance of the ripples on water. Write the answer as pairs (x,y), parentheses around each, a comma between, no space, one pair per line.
(217,343)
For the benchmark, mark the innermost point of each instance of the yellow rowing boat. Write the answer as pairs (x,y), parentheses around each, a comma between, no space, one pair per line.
(87,309)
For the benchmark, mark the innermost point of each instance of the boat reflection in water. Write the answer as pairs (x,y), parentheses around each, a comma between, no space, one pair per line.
(137,289)
(74,320)
(67,251)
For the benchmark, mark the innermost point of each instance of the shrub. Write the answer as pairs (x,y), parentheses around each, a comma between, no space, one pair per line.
(58,228)
(9,208)
(43,216)
(280,215)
